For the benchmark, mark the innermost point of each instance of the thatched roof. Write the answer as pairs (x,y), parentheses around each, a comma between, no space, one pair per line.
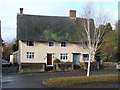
(46,28)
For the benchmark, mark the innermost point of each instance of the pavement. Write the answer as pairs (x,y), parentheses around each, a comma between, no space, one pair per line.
(35,80)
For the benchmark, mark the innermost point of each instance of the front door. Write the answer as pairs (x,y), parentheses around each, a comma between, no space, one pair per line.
(76,58)
(49,59)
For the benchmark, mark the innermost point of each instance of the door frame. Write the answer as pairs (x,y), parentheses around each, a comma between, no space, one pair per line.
(52,59)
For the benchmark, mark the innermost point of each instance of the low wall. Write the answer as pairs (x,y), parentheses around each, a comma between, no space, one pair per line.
(32,67)
(109,65)
(64,66)
(93,65)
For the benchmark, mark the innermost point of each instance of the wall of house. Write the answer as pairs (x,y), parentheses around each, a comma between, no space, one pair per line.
(11,59)
(14,58)
(41,49)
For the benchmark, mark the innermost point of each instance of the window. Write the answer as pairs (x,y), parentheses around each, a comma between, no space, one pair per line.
(63,44)
(85,56)
(51,44)
(63,56)
(30,43)
(30,55)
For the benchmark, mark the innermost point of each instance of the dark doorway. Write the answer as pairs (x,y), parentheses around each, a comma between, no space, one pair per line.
(49,59)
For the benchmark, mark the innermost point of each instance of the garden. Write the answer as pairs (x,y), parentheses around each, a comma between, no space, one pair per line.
(81,80)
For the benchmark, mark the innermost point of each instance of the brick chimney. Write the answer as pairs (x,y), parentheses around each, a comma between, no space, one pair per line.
(21,11)
(72,13)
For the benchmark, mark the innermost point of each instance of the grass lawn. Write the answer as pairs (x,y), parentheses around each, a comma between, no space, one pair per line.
(70,81)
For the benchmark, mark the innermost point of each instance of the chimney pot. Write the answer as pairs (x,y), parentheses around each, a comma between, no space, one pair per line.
(72,13)
(21,11)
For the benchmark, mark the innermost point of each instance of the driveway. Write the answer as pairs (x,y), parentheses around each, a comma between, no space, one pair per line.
(35,80)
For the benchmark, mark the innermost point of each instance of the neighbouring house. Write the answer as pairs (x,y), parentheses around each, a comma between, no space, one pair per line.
(0,35)
(1,48)
(14,58)
(42,39)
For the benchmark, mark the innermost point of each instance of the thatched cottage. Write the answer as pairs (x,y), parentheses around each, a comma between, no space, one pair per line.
(42,39)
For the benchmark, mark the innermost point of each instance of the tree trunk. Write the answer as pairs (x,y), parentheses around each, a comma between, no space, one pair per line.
(88,69)
(91,57)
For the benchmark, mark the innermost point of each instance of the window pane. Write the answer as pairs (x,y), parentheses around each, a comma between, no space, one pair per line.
(51,44)
(63,56)
(63,44)
(30,55)
(30,43)
(60,57)
(27,56)
(85,56)
(66,57)
(27,43)
(33,55)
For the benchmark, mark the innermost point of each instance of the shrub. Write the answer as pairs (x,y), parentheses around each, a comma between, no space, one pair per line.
(54,67)
(56,61)
(82,66)
(65,65)
(68,62)
(62,68)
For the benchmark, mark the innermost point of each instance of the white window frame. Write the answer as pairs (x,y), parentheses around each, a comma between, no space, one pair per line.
(66,44)
(30,54)
(64,55)
(28,44)
(53,44)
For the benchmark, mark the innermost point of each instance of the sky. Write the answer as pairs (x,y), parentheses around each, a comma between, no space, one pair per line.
(10,8)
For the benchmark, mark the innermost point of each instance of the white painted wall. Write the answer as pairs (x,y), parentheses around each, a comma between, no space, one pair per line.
(41,49)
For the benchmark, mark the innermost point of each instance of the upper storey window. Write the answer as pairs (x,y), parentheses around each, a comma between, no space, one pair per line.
(63,44)
(30,43)
(51,44)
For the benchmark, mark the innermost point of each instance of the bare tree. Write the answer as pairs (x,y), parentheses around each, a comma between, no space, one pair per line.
(93,36)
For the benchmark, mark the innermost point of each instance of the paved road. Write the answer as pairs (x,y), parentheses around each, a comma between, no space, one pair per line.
(35,80)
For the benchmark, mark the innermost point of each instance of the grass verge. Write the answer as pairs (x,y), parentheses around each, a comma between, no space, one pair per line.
(70,81)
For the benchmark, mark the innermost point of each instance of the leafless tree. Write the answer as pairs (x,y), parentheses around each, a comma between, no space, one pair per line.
(93,36)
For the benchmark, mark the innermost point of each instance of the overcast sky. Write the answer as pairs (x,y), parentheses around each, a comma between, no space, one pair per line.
(10,8)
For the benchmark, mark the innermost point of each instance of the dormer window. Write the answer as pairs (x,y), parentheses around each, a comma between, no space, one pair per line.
(63,44)
(30,43)
(51,44)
